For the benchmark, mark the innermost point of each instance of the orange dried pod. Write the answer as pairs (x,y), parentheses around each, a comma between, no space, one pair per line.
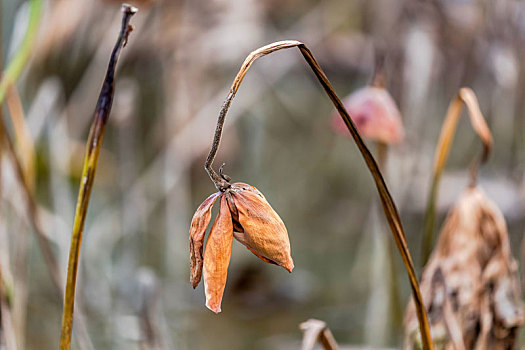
(263,231)
(246,215)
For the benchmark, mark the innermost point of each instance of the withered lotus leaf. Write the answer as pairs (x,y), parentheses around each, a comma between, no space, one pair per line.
(246,215)
(480,306)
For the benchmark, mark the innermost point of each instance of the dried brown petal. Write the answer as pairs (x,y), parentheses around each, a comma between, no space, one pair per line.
(217,257)
(264,232)
(199,223)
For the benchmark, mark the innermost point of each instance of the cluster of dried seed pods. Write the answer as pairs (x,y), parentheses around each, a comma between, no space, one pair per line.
(245,215)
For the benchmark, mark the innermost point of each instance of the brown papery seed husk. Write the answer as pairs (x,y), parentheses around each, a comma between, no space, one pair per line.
(217,257)
(199,223)
(233,210)
(264,233)
(470,284)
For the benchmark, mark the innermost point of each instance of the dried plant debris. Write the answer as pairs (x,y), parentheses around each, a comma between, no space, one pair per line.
(470,285)
(316,331)
(245,214)
(466,97)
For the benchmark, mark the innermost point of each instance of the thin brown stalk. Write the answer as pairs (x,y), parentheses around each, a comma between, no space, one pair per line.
(396,310)
(17,64)
(34,217)
(465,97)
(36,223)
(387,201)
(93,146)
(24,142)
(10,75)
(6,323)
(7,80)
(25,154)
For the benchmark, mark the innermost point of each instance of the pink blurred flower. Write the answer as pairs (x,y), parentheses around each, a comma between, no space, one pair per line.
(375,115)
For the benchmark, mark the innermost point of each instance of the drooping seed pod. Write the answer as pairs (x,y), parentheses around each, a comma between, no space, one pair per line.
(246,215)
(470,284)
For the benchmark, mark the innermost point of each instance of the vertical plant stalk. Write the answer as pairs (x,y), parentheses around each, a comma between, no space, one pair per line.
(396,310)
(9,77)
(387,201)
(44,244)
(6,320)
(7,80)
(93,145)
(24,142)
(23,169)
(6,324)
(17,64)
(25,154)
(465,97)
(34,218)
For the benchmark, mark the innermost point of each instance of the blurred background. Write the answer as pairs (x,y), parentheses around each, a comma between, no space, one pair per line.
(172,78)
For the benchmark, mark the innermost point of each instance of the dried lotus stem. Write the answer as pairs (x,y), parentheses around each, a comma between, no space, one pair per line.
(93,145)
(387,201)
(465,97)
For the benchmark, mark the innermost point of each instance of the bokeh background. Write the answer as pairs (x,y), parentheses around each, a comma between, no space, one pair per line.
(172,79)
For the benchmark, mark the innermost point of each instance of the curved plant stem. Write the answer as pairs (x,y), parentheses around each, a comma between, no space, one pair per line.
(17,64)
(387,201)
(465,97)
(93,146)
